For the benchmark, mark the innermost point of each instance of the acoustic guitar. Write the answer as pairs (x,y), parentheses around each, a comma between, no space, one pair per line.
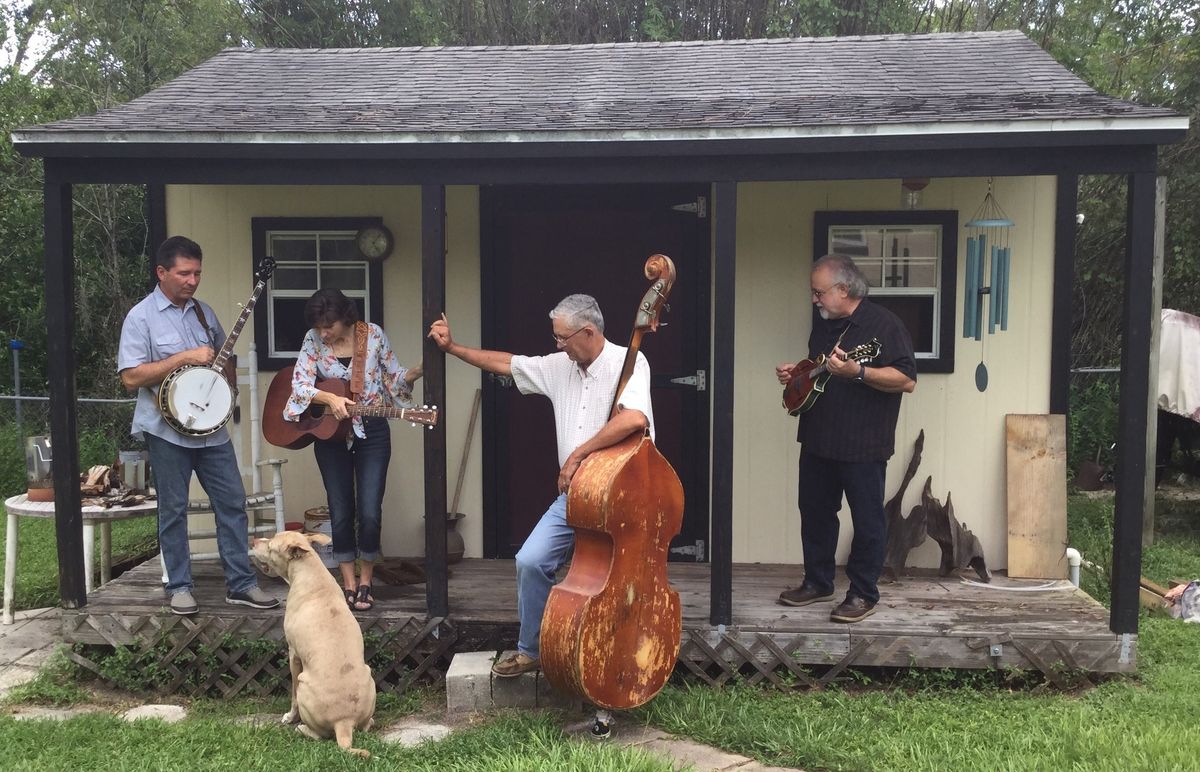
(317,423)
(808,378)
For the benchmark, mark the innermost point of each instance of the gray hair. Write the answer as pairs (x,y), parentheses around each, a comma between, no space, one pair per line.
(578,311)
(846,273)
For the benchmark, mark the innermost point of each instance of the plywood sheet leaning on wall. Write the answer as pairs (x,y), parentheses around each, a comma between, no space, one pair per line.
(1037,495)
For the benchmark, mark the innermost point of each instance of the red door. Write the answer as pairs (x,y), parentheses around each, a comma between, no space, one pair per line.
(543,243)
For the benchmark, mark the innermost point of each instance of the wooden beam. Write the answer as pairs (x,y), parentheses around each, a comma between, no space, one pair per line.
(1066,206)
(433,294)
(721,579)
(59,265)
(1160,235)
(867,164)
(156,220)
(1135,391)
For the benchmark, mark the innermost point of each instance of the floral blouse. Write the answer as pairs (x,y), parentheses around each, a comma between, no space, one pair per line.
(384,382)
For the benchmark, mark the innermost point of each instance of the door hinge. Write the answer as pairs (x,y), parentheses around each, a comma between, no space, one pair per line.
(695,550)
(699,207)
(503,381)
(699,380)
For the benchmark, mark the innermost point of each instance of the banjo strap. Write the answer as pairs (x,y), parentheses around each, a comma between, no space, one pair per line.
(358,366)
(212,339)
(229,368)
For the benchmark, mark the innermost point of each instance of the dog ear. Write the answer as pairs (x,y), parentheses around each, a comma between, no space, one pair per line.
(318,538)
(297,551)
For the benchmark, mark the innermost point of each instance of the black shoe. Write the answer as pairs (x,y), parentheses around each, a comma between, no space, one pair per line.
(254,598)
(852,609)
(803,595)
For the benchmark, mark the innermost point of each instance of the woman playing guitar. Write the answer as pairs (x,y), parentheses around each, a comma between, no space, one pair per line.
(354,469)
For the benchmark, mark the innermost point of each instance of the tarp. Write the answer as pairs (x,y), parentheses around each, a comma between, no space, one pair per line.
(1179,364)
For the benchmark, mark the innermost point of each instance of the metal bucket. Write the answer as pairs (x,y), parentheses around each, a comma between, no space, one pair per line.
(316,520)
(38,474)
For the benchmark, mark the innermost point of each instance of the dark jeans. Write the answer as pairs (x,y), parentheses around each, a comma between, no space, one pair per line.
(217,469)
(356,473)
(822,484)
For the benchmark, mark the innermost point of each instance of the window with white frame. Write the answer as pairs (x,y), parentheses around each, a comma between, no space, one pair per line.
(903,256)
(310,254)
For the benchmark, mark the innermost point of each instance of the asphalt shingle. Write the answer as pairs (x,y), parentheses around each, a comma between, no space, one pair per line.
(640,87)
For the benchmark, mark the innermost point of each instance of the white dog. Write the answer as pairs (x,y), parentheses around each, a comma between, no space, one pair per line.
(332,690)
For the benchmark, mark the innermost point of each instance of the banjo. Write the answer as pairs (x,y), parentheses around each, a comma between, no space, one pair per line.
(197,400)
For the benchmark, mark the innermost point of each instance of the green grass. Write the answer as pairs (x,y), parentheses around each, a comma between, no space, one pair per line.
(102,742)
(972,722)
(911,720)
(37,558)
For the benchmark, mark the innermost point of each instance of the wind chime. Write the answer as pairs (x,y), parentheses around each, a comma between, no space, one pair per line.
(988,256)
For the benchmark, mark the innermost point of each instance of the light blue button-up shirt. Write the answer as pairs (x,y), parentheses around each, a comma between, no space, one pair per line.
(155,329)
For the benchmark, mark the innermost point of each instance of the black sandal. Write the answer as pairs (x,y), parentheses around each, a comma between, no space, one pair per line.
(350,595)
(363,596)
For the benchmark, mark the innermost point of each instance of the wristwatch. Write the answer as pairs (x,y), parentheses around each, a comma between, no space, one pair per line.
(862,373)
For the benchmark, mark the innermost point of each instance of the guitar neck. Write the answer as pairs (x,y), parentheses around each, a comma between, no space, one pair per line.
(379,411)
(231,339)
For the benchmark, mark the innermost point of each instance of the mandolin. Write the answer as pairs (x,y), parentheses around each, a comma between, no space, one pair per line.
(810,376)
(316,423)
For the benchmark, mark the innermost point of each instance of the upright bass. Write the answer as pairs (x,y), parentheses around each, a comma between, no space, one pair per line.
(611,629)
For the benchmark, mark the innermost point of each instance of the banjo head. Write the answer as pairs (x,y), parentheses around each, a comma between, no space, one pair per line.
(196,401)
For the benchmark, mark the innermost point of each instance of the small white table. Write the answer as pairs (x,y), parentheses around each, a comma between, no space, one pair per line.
(20,506)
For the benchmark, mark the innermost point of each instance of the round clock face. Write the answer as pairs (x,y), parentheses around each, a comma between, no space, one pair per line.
(375,242)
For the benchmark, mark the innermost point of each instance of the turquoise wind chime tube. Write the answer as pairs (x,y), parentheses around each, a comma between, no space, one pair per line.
(989,258)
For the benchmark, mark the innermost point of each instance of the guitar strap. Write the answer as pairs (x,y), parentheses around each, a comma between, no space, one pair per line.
(358,366)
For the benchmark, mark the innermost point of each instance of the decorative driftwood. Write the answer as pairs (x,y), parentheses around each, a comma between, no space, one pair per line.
(960,547)
(904,533)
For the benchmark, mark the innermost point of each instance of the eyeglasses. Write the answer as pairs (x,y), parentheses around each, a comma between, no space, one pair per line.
(560,340)
(819,293)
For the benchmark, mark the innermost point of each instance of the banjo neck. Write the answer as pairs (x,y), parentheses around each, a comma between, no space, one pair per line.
(226,351)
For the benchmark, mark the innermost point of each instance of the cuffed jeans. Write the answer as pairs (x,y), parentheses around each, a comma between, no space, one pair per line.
(822,485)
(217,469)
(540,557)
(355,479)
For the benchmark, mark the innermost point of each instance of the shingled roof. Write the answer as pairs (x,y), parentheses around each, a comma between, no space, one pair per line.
(695,90)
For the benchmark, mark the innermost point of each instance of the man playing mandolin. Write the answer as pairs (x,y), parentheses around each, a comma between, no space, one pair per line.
(580,381)
(847,435)
(166,330)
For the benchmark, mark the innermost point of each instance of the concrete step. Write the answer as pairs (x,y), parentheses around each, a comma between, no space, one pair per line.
(471,687)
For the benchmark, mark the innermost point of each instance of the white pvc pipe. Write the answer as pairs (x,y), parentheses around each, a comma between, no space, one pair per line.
(1074,560)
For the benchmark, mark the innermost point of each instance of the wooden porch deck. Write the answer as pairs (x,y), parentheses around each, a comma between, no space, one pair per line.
(921,621)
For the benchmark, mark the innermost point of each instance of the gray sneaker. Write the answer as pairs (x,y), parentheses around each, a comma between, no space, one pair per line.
(183,604)
(254,598)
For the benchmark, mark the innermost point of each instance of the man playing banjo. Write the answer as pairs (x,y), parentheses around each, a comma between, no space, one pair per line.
(169,329)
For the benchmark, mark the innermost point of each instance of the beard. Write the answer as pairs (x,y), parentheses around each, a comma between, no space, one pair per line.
(824,313)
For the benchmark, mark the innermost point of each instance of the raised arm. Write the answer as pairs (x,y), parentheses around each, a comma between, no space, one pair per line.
(499,362)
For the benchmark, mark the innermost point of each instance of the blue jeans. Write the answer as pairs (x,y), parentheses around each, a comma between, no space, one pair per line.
(355,479)
(542,554)
(822,484)
(217,469)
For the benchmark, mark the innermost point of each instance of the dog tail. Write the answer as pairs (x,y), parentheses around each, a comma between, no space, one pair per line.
(344,731)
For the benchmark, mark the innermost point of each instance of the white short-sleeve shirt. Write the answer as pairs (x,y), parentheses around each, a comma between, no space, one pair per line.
(582,399)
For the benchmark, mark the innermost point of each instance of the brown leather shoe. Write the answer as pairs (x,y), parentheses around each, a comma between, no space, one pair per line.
(515,665)
(803,595)
(852,609)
